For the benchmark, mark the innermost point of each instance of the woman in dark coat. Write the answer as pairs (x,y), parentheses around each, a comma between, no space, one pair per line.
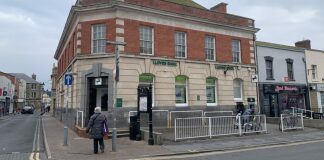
(97,127)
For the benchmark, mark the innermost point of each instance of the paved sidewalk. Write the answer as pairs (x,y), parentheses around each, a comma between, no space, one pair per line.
(81,148)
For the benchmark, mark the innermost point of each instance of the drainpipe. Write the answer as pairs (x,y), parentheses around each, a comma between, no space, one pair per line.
(257,73)
(307,96)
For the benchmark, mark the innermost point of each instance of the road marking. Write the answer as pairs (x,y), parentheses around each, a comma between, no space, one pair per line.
(36,144)
(35,135)
(37,156)
(230,151)
(31,157)
(38,134)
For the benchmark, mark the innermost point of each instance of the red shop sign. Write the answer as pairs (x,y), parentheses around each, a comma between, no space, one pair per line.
(0,91)
(285,88)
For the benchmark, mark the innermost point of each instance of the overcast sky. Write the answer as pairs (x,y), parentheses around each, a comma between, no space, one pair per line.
(30,29)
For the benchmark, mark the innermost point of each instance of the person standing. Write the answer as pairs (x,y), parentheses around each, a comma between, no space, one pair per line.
(97,128)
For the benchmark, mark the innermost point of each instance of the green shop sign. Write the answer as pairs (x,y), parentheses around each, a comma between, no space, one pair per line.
(164,63)
(224,67)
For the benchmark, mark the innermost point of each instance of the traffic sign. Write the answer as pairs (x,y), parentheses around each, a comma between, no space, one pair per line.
(68,79)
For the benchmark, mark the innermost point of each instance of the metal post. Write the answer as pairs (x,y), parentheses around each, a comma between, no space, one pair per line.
(150,140)
(175,130)
(65,136)
(209,126)
(302,121)
(82,120)
(282,125)
(114,136)
(240,125)
(138,122)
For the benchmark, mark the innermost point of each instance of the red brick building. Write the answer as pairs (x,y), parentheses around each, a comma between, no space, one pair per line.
(194,57)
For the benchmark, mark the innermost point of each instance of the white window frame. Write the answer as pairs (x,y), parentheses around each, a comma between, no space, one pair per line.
(92,38)
(216,94)
(292,76)
(185,44)
(269,69)
(213,47)
(314,72)
(182,104)
(152,36)
(241,87)
(234,52)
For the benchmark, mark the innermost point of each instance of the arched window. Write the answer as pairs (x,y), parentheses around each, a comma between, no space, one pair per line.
(211,91)
(238,89)
(145,80)
(181,91)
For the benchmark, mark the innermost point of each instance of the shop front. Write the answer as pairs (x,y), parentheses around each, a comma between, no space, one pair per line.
(320,97)
(280,98)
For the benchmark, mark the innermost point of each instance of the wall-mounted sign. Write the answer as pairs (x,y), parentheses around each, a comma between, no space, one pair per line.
(320,87)
(251,100)
(285,88)
(98,81)
(224,67)
(164,63)
(119,102)
(267,88)
(255,78)
(0,91)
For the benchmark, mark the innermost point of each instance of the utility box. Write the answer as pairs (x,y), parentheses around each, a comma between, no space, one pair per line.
(133,129)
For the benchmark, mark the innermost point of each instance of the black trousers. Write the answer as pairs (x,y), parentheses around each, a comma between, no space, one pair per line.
(95,144)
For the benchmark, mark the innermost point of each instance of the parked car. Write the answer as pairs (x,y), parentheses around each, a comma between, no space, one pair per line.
(27,109)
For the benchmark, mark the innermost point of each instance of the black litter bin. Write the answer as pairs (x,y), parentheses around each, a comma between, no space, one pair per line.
(133,128)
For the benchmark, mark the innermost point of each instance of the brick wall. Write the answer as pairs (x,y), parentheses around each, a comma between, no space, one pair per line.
(163,42)
(186,10)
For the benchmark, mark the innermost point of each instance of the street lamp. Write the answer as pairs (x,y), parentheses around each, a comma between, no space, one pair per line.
(116,43)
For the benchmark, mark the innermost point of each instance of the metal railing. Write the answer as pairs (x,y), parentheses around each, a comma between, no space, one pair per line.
(77,119)
(160,118)
(198,127)
(304,112)
(218,113)
(183,114)
(291,121)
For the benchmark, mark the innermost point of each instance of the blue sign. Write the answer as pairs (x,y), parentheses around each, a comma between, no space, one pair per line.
(68,79)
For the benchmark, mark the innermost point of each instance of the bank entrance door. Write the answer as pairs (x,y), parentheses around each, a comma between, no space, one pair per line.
(98,94)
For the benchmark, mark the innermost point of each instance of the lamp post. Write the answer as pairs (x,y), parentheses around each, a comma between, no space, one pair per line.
(116,43)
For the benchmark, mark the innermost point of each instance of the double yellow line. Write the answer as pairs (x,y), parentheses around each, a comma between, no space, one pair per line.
(35,153)
(34,156)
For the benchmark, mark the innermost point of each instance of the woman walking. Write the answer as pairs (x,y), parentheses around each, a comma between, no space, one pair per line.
(97,128)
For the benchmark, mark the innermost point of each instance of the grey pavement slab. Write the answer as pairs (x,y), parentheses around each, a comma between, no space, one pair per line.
(81,148)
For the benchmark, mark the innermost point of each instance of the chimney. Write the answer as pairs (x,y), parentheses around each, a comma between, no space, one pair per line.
(303,44)
(34,76)
(222,7)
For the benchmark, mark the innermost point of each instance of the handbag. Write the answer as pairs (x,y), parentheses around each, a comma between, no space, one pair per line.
(105,128)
